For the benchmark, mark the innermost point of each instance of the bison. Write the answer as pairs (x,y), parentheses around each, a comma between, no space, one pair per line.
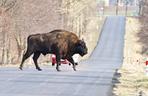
(62,43)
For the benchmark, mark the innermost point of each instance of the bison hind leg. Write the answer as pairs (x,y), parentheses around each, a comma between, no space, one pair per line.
(25,56)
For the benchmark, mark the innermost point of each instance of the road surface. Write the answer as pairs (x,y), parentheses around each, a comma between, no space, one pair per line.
(93,78)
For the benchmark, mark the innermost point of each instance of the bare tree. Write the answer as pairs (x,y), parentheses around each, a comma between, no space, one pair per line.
(143,36)
(5,6)
(117,5)
(20,41)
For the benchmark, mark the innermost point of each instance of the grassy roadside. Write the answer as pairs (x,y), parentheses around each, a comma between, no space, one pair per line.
(130,79)
(93,34)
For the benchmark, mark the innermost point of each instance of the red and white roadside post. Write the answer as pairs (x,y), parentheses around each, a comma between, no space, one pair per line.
(146,68)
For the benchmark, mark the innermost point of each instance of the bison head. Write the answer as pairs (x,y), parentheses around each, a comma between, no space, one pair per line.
(81,48)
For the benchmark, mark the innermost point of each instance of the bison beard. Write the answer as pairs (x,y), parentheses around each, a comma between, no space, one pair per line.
(62,43)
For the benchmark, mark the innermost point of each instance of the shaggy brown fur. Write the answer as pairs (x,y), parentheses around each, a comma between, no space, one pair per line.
(62,43)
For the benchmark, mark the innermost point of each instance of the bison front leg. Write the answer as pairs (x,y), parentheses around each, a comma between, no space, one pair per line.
(73,63)
(35,58)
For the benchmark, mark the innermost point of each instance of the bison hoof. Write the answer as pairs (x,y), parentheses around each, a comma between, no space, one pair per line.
(76,63)
(39,69)
(74,69)
(20,68)
(58,69)
(53,64)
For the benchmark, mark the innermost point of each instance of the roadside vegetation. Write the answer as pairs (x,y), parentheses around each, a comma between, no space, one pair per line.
(131,79)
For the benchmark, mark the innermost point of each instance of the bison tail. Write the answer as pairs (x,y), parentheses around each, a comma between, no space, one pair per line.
(28,39)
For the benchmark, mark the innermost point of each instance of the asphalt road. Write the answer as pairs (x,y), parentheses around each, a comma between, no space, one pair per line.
(93,78)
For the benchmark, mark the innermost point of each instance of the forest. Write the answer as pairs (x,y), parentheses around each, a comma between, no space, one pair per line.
(20,18)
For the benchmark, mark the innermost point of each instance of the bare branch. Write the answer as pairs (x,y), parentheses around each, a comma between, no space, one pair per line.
(10,5)
(3,3)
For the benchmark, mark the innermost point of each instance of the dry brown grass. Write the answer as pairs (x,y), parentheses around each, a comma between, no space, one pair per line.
(132,80)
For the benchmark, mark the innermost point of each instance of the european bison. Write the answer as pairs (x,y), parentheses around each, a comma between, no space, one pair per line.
(62,43)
